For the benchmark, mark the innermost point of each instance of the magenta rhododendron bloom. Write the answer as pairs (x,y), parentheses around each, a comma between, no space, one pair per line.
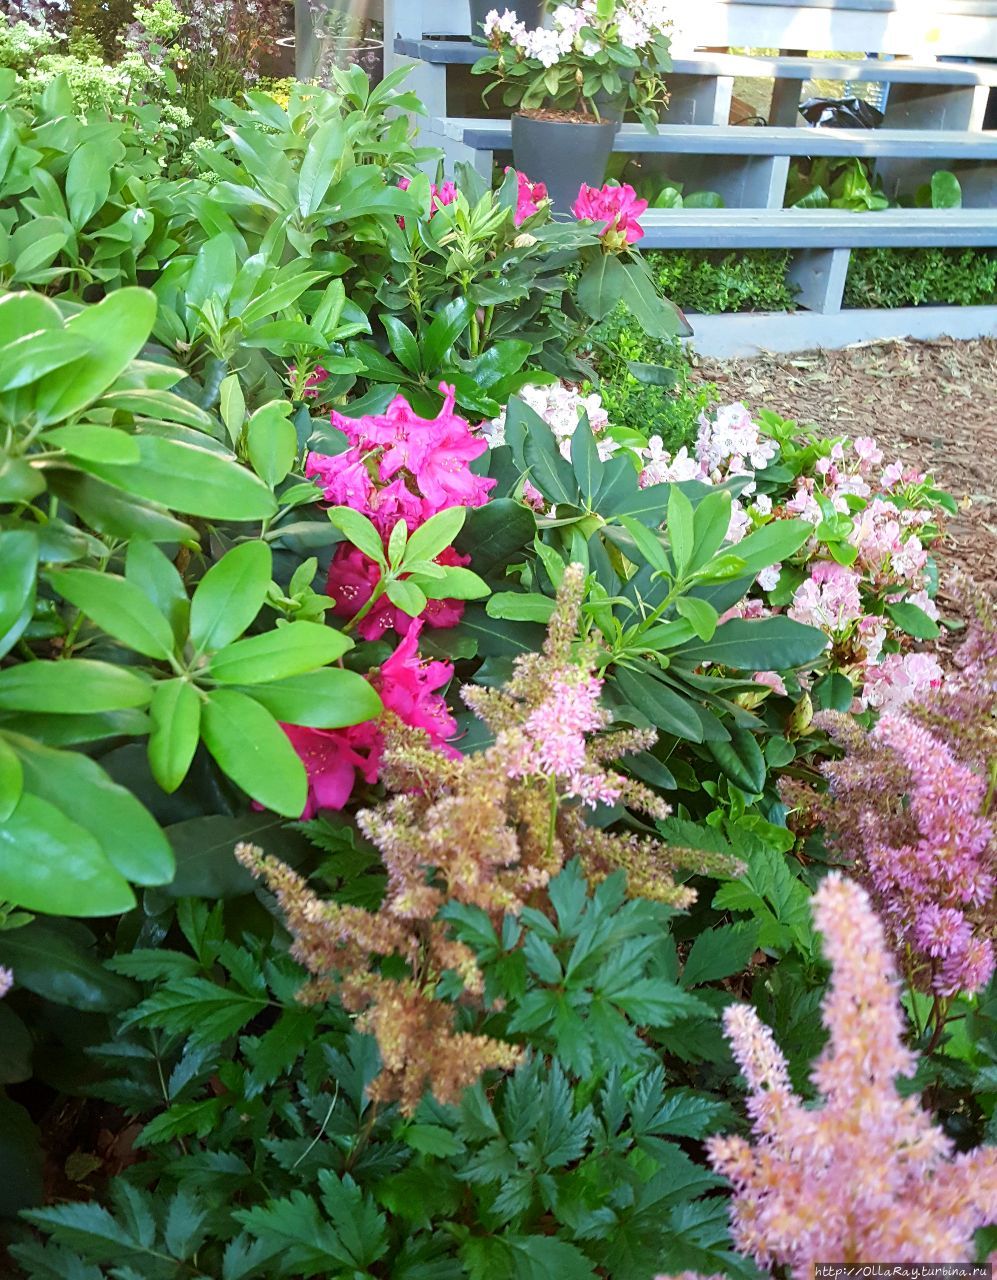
(398,467)
(409,688)
(351,582)
(529,197)
(617,208)
(444,194)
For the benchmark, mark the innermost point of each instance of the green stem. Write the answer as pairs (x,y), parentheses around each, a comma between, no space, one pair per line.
(552,822)
(362,613)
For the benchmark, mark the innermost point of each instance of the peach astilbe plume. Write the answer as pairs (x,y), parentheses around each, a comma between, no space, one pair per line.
(487,830)
(866,1175)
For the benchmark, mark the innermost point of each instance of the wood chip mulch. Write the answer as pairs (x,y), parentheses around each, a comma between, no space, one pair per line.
(932,403)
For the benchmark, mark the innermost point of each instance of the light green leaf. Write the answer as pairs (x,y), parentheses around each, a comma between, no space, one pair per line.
(118,607)
(110,445)
(175,713)
(50,864)
(701,616)
(436,534)
(681,529)
(11,780)
(456,583)
(230,595)
(251,748)
(405,595)
(286,651)
(74,687)
(360,531)
(272,441)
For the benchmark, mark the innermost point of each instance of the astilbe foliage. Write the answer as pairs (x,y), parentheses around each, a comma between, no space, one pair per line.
(487,830)
(866,1175)
(911,802)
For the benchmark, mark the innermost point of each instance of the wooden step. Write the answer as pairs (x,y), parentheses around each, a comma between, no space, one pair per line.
(895,71)
(949,146)
(817,228)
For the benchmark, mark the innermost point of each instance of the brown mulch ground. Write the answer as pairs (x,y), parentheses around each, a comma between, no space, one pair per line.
(932,402)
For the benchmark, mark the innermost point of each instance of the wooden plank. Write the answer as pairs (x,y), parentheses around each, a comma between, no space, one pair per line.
(817,228)
(932,144)
(749,334)
(896,71)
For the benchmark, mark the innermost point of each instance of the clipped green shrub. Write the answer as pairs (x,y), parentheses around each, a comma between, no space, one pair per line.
(712,281)
(912,277)
(670,410)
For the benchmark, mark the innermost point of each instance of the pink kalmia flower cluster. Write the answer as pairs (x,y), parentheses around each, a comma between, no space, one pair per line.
(6,980)
(865,1175)
(409,688)
(618,209)
(399,466)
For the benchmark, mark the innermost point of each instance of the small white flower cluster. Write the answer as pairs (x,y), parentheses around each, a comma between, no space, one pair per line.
(637,23)
(560,407)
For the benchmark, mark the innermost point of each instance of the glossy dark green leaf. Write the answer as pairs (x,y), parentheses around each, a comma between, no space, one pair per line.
(204,849)
(495,534)
(663,707)
(763,644)
(741,760)
(586,461)
(55,961)
(913,619)
(272,442)
(549,472)
(443,332)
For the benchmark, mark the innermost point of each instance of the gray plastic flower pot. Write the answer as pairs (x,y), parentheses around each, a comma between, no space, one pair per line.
(529,12)
(562,154)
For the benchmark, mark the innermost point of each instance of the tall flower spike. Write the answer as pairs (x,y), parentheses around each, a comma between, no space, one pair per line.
(866,1175)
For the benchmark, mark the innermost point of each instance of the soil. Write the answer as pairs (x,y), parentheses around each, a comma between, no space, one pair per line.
(560,117)
(932,403)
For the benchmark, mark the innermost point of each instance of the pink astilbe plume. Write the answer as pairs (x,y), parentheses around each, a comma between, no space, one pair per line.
(865,1175)
(487,830)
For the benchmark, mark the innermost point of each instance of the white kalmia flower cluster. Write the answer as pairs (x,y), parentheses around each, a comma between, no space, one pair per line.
(637,23)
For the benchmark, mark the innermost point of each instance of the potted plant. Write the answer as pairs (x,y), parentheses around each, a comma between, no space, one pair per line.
(569,84)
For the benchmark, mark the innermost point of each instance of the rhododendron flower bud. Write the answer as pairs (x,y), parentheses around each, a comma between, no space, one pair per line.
(617,208)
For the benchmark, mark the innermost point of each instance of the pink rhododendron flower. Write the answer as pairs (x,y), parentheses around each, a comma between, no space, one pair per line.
(617,208)
(444,194)
(427,458)
(529,197)
(398,467)
(409,688)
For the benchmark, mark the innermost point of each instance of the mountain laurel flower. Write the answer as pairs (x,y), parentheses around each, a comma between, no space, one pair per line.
(865,1174)
(6,981)
(618,209)
(829,599)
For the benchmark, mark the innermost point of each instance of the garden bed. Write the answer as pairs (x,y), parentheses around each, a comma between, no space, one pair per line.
(479,799)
